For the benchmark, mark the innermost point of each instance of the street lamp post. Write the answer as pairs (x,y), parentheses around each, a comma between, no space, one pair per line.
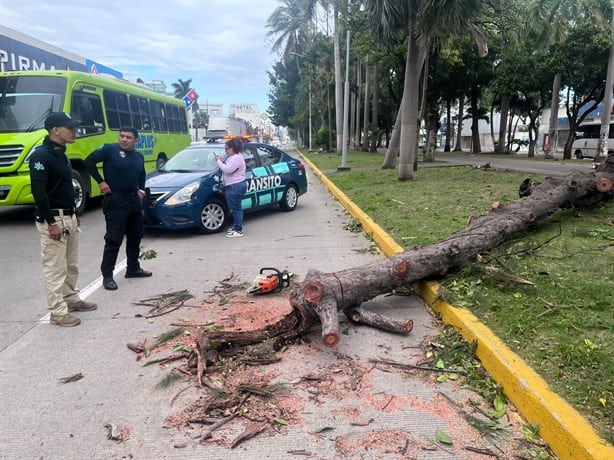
(310,149)
(346,103)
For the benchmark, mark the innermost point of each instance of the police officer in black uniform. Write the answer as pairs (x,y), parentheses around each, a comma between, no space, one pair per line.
(123,187)
(57,221)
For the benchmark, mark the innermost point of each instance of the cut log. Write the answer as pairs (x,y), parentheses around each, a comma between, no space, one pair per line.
(361,315)
(323,294)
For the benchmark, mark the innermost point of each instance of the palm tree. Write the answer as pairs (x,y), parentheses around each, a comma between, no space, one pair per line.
(292,24)
(552,20)
(182,87)
(423,23)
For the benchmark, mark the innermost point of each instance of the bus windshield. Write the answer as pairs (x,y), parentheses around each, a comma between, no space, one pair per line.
(25,101)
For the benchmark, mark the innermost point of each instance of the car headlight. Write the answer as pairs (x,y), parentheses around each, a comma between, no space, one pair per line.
(183,195)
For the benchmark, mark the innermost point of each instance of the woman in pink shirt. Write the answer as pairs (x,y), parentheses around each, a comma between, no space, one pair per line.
(235,186)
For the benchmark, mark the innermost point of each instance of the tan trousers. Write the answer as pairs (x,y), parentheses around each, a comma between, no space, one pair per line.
(60,259)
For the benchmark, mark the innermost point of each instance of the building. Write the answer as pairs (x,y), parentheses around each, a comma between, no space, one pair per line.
(22,52)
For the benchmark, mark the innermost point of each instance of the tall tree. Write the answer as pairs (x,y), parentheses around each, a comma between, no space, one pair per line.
(181,87)
(582,60)
(552,20)
(292,24)
(423,23)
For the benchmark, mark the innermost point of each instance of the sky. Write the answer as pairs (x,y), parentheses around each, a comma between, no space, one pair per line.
(220,44)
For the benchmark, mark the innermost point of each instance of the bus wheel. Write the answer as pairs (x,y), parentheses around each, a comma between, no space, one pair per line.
(578,154)
(160,161)
(78,184)
(213,216)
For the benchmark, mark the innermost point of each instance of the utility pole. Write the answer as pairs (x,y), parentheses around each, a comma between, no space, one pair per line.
(606,120)
(310,149)
(346,101)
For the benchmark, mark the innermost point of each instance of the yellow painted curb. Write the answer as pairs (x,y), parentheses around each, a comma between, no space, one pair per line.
(386,244)
(569,435)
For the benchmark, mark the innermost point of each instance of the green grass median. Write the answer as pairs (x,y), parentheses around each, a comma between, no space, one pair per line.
(548,293)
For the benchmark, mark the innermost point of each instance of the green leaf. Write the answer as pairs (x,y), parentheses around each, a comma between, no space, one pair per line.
(500,406)
(281,421)
(440,364)
(443,437)
(324,428)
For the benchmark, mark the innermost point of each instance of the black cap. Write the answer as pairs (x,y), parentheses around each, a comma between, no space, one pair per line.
(56,119)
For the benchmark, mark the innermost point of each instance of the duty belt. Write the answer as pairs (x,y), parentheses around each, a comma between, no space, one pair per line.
(56,212)
(62,212)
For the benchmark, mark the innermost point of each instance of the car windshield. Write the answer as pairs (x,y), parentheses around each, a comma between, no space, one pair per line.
(194,159)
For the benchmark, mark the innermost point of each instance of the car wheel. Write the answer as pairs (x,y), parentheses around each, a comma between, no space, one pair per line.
(80,188)
(213,216)
(290,199)
(578,154)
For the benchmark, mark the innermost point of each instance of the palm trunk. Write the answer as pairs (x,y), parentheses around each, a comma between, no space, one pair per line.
(393,146)
(446,147)
(459,137)
(409,108)
(554,116)
(505,108)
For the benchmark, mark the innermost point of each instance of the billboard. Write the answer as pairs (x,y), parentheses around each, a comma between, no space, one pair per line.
(19,52)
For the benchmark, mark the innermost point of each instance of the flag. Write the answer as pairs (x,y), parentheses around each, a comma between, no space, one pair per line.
(190,98)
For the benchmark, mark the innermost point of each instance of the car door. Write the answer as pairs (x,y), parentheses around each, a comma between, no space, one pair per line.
(265,184)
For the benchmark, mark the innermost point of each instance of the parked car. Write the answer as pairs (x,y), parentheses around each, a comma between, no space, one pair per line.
(187,191)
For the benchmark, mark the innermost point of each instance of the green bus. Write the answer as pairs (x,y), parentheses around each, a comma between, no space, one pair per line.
(102,104)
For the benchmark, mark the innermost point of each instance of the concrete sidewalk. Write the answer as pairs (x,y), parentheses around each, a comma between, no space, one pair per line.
(569,435)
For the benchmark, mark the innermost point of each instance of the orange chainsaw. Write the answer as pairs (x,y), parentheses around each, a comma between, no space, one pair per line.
(273,282)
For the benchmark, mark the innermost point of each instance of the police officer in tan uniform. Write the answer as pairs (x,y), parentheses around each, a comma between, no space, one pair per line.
(57,221)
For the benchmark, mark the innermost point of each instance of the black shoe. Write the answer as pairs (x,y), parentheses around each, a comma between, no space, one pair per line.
(140,273)
(109,284)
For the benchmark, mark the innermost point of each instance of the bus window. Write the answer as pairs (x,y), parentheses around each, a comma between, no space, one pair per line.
(139,108)
(118,110)
(172,113)
(158,116)
(87,108)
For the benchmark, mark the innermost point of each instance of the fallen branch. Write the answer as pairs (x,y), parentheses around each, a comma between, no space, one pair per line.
(420,368)
(206,434)
(361,315)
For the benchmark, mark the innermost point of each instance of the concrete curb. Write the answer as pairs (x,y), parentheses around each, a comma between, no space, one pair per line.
(569,435)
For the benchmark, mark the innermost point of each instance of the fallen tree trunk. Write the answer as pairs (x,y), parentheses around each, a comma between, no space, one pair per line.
(321,295)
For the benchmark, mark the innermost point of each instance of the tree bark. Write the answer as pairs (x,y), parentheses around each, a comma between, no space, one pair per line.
(323,294)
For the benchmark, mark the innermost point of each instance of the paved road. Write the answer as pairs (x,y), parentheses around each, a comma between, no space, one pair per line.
(536,165)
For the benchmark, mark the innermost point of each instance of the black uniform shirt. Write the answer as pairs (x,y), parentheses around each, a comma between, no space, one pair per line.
(51,179)
(124,170)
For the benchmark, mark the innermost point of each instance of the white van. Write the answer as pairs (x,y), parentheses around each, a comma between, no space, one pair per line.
(587,140)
